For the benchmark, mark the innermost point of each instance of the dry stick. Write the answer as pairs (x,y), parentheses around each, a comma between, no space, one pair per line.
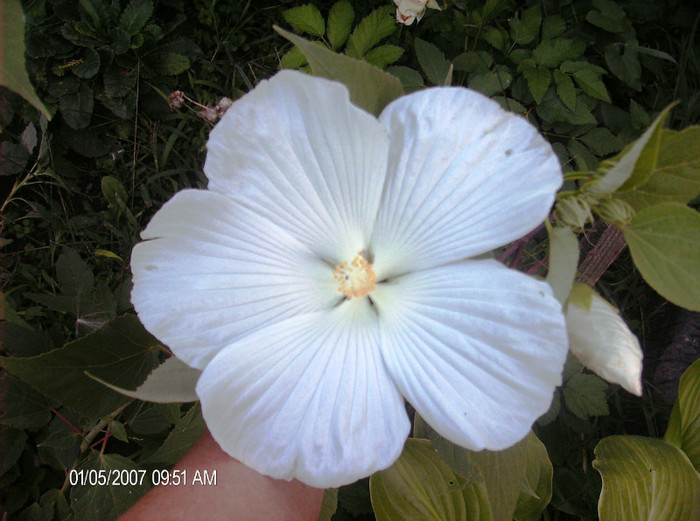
(608,248)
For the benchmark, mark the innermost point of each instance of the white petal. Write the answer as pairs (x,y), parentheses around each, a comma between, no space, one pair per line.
(308,398)
(475,347)
(297,151)
(601,340)
(213,270)
(465,177)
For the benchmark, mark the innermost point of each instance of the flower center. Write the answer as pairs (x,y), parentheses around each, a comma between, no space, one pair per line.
(355,279)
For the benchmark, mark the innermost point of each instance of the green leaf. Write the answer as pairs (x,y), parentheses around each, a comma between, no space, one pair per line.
(185,433)
(609,16)
(329,504)
(565,88)
(634,165)
(135,16)
(551,53)
(12,442)
(536,491)
(601,141)
(122,352)
(492,82)
(591,84)
(171,63)
(524,28)
(370,87)
(563,261)
(645,479)
(118,82)
(676,177)
(473,61)
(495,37)
(684,425)
(23,407)
(293,59)
(553,26)
(411,80)
(432,61)
(624,63)
(173,381)
(664,241)
(384,55)
(421,486)
(307,18)
(370,31)
(584,395)
(118,431)
(90,65)
(340,20)
(538,80)
(104,502)
(76,107)
(13,73)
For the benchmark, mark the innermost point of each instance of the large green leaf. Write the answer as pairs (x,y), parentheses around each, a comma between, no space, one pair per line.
(370,88)
(13,73)
(92,502)
(646,480)
(684,426)
(421,486)
(563,261)
(664,241)
(536,490)
(635,164)
(122,352)
(676,177)
(433,62)
(340,20)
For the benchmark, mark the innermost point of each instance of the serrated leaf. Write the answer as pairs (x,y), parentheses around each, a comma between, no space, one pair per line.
(173,381)
(421,486)
(23,407)
(117,430)
(664,241)
(553,26)
(591,84)
(601,341)
(538,80)
(495,37)
(76,107)
(551,53)
(370,31)
(60,444)
(432,61)
(370,88)
(185,433)
(584,158)
(635,164)
(623,62)
(135,16)
(411,80)
(525,28)
(100,503)
(645,479)
(13,73)
(340,20)
(73,274)
(293,59)
(563,261)
(601,141)
(384,55)
(565,89)
(307,18)
(171,63)
(122,352)
(90,65)
(473,61)
(584,395)
(676,177)
(492,82)
(684,425)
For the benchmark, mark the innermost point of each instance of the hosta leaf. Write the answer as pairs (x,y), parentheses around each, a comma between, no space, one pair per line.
(370,87)
(307,18)
(13,73)
(664,241)
(684,426)
(421,486)
(370,31)
(646,480)
(340,20)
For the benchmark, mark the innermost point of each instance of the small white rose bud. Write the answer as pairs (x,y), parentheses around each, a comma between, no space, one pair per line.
(409,10)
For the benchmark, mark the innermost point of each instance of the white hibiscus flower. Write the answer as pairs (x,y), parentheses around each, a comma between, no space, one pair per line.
(322,278)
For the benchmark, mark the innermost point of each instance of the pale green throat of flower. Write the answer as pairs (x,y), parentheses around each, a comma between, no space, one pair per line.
(355,279)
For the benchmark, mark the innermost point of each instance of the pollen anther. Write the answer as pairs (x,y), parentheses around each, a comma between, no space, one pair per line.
(355,279)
